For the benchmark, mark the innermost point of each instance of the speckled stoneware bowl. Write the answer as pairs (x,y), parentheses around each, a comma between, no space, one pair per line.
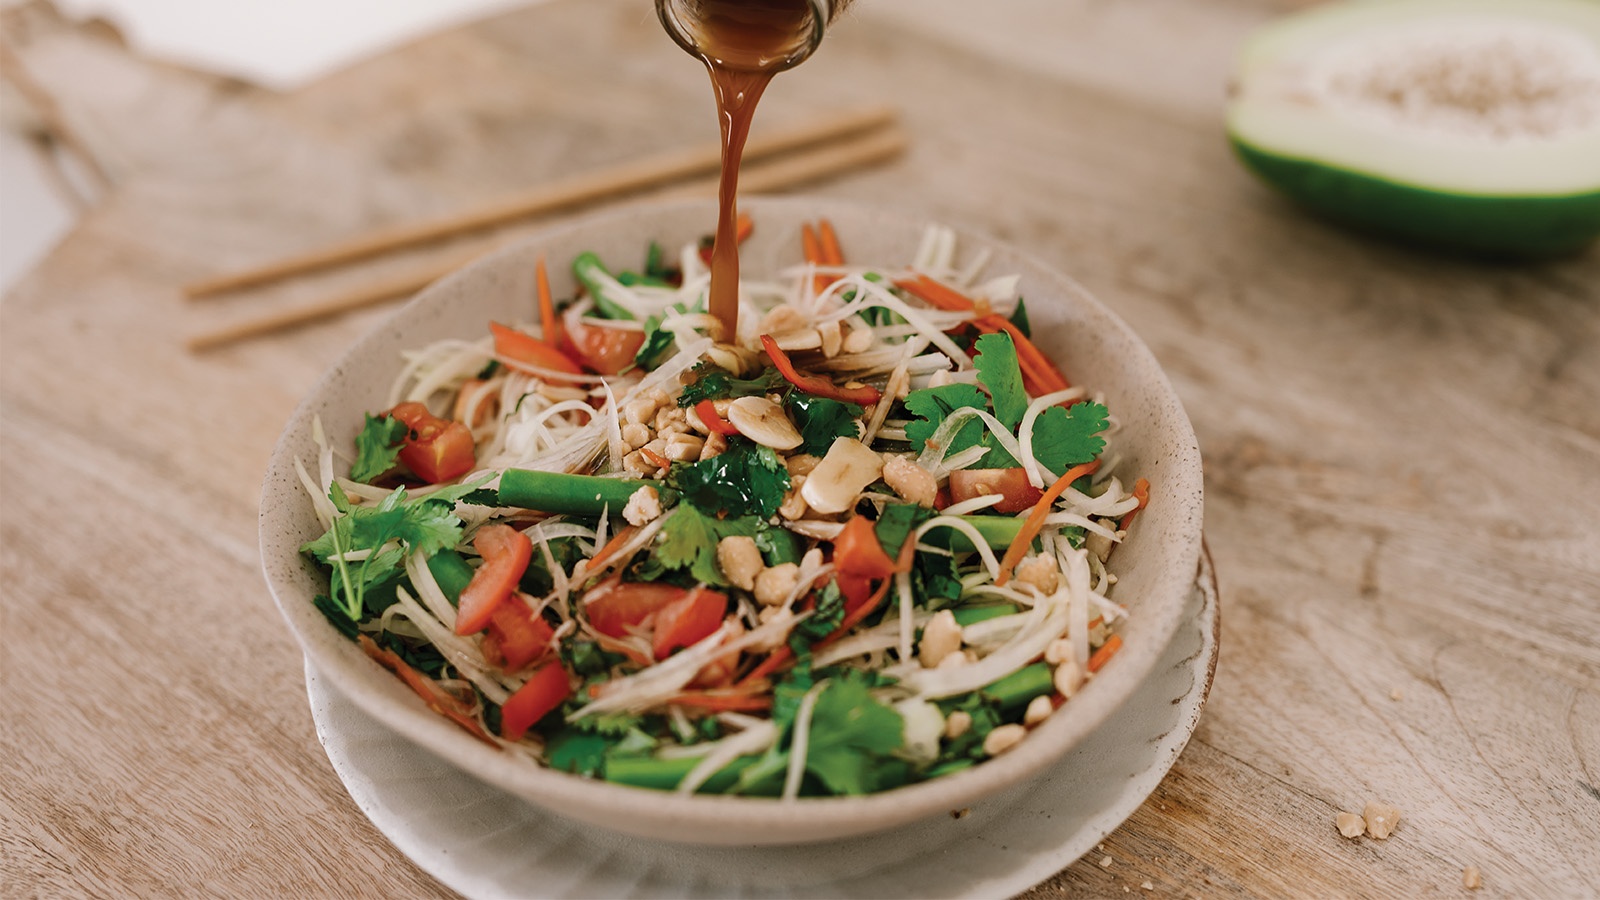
(1156,567)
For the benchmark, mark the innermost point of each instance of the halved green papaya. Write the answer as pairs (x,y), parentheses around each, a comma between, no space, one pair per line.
(1469,125)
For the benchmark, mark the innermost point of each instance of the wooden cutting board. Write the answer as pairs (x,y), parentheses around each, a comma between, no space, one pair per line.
(1403,451)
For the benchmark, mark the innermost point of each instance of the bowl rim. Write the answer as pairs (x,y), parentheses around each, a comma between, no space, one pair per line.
(356,676)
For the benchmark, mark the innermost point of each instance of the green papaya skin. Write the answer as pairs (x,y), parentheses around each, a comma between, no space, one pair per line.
(1500,227)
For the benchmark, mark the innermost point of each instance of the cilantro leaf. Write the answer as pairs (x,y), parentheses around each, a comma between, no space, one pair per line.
(689,540)
(827,614)
(1000,372)
(377,447)
(936,578)
(932,406)
(746,479)
(1063,438)
(820,420)
(578,752)
(657,342)
(896,523)
(851,737)
(716,384)
(388,531)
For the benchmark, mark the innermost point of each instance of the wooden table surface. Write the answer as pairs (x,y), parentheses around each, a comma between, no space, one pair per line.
(1402,451)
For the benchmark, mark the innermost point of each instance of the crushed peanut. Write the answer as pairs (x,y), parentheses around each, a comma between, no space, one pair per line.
(1003,738)
(940,638)
(801,464)
(1059,651)
(957,723)
(644,506)
(641,411)
(636,435)
(1349,824)
(683,447)
(1068,678)
(1471,878)
(773,585)
(912,482)
(714,446)
(1039,709)
(859,340)
(1040,574)
(1381,818)
(740,561)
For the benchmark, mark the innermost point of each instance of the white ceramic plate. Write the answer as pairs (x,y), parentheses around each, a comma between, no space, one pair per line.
(486,843)
(1155,566)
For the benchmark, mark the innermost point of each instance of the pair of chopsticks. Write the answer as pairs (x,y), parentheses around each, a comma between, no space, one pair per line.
(774,161)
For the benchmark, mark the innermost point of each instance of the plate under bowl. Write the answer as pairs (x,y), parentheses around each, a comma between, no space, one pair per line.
(1155,566)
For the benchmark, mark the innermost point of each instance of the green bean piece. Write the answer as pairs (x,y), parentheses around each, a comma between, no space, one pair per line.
(573,495)
(665,774)
(630,279)
(451,572)
(589,270)
(998,531)
(966,615)
(1020,686)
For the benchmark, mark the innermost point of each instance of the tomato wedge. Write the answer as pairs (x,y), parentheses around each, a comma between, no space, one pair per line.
(506,553)
(1016,494)
(688,621)
(817,385)
(521,347)
(435,449)
(546,689)
(856,551)
(516,636)
(860,559)
(605,350)
(615,605)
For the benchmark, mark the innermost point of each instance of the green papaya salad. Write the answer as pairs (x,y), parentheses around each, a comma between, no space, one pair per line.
(861,543)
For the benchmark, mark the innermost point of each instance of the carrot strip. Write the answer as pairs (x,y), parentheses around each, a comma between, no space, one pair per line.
(1141,489)
(772,663)
(743,227)
(611,546)
(1047,377)
(820,385)
(810,247)
(656,459)
(721,702)
(1035,522)
(935,294)
(1104,654)
(831,254)
(547,305)
(432,693)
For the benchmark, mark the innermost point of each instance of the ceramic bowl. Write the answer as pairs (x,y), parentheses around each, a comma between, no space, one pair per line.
(1155,567)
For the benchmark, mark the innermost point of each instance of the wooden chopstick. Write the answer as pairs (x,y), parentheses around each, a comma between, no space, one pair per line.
(579,189)
(767,177)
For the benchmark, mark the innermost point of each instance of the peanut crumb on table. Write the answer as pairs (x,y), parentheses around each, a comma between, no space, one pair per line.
(1148,886)
(1105,862)
(1381,819)
(1471,878)
(1349,824)
(1395,694)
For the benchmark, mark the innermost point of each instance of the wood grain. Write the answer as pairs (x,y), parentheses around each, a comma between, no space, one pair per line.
(1401,449)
